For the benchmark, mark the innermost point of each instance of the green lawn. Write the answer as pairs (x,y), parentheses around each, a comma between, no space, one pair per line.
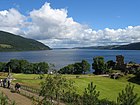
(109,88)
(28,80)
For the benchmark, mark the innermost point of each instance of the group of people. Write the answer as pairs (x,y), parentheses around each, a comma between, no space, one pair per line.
(6,83)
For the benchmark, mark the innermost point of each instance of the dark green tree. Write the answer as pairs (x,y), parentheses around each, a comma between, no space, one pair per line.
(137,74)
(13,64)
(43,67)
(131,62)
(72,97)
(106,102)
(110,64)
(99,65)
(90,96)
(34,68)
(67,69)
(128,97)
(2,66)
(78,68)
(85,66)
(23,66)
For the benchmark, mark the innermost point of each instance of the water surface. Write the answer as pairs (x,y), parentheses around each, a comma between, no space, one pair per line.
(62,57)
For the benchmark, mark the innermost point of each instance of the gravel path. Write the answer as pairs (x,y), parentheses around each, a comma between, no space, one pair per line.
(19,99)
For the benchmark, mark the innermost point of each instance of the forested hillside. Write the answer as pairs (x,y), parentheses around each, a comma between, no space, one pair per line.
(131,46)
(11,42)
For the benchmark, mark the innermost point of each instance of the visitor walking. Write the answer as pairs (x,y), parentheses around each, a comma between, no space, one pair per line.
(17,87)
(1,82)
(8,83)
(4,82)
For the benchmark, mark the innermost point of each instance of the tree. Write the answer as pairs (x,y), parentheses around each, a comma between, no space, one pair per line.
(106,102)
(18,66)
(23,66)
(14,65)
(128,97)
(85,66)
(138,74)
(4,100)
(78,68)
(110,64)
(69,69)
(54,87)
(34,68)
(98,65)
(90,96)
(72,97)
(52,69)
(131,62)
(2,66)
(43,67)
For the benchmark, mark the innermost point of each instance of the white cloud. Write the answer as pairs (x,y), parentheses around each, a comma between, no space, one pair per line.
(11,20)
(54,28)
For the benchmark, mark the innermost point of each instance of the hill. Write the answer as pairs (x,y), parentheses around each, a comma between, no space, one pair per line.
(131,46)
(98,47)
(11,42)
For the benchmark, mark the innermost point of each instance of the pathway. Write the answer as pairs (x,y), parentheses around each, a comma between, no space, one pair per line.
(19,99)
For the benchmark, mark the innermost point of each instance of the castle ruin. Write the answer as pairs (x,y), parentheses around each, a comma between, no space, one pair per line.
(120,65)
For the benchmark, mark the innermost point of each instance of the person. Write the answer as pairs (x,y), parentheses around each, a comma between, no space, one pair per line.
(8,83)
(4,82)
(1,82)
(17,87)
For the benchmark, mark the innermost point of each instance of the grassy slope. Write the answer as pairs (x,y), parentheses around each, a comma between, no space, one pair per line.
(109,88)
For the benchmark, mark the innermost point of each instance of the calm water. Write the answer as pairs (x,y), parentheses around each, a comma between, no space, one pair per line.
(62,57)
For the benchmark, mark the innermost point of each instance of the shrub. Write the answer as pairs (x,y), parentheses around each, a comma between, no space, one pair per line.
(128,97)
(90,96)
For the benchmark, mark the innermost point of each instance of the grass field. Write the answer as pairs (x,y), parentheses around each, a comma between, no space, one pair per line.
(109,88)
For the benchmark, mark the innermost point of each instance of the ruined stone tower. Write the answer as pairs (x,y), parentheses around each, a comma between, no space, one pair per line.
(120,62)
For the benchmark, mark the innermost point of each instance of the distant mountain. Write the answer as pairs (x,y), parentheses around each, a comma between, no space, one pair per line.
(98,47)
(11,42)
(132,46)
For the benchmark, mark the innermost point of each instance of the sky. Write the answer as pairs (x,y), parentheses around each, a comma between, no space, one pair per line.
(73,23)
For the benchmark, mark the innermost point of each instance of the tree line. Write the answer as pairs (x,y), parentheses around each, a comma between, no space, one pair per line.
(23,66)
(76,68)
(99,66)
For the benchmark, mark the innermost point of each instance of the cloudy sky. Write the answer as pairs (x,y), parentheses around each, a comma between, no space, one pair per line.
(73,23)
